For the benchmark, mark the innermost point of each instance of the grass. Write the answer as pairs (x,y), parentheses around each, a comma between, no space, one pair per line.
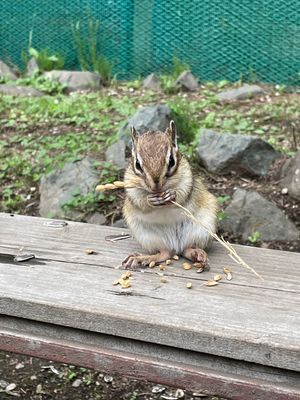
(38,134)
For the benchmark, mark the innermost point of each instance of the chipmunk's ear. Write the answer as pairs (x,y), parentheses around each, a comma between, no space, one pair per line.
(173,133)
(134,137)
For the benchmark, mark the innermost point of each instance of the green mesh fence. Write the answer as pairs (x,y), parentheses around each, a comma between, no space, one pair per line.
(219,39)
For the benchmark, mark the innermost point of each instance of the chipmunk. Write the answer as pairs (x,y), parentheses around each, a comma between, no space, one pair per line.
(163,176)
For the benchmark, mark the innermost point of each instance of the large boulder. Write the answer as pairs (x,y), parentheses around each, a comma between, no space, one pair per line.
(61,186)
(291,176)
(6,72)
(249,212)
(75,80)
(150,118)
(187,81)
(241,93)
(116,154)
(22,91)
(225,153)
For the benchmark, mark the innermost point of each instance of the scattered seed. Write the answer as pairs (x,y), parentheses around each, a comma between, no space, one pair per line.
(77,383)
(163,280)
(158,389)
(152,264)
(10,387)
(189,285)
(186,266)
(228,273)
(217,277)
(169,262)
(176,257)
(162,267)
(126,275)
(126,284)
(108,379)
(211,283)
(89,251)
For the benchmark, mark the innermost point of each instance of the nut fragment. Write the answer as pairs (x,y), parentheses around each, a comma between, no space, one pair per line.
(168,262)
(199,270)
(116,282)
(228,273)
(89,251)
(152,264)
(163,280)
(217,277)
(126,275)
(162,267)
(176,257)
(126,284)
(211,283)
(189,285)
(186,266)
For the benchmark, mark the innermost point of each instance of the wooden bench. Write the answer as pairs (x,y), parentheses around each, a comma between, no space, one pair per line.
(239,340)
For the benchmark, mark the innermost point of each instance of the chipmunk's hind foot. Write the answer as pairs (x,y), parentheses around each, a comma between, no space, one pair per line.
(197,256)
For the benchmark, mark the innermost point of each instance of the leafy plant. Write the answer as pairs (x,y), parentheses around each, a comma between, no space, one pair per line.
(222,215)
(45,60)
(222,199)
(86,45)
(255,237)
(43,84)
(168,80)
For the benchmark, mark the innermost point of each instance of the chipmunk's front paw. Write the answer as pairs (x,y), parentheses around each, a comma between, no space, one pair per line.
(161,199)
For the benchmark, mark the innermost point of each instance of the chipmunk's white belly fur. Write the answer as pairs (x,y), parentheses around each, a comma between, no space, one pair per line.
(170,229)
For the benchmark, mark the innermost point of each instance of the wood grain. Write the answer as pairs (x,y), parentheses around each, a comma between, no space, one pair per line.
(244,319)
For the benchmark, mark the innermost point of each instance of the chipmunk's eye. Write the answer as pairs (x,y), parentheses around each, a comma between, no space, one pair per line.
(171,162)
(138,166)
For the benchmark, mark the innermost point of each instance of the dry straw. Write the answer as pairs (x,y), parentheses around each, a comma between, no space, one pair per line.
(231,251)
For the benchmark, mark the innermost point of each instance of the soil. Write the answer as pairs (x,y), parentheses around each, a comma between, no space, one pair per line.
(34,379)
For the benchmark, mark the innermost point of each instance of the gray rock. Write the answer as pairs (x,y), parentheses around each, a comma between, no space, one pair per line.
(241,93)
(291,176)
(187,81)
(120,223)
(32,67)
(149,118)
(75,80)
(22,91)
(224,153)
(249,212)
(61,186)
(6,72)
(151,82)
(96,218)
(116,154)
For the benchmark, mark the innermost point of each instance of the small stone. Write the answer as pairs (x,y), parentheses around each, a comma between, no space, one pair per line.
(241,93)
(187,81)
(96,218)
(77,383)
(3,383)
(108,379)
(32,67)
(10,387)
(75,80)
(20,365)
(6,72)
(39,389)
(284,190)
(21,91)
(291,176)
(158,389)
(151,82)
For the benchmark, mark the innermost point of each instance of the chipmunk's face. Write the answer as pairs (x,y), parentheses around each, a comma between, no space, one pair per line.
(155,158)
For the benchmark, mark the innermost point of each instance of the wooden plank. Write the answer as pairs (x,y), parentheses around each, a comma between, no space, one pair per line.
(230,320)
(138,360)
(279,269)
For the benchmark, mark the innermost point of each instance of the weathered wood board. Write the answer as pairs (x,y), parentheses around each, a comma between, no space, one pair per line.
(245,319)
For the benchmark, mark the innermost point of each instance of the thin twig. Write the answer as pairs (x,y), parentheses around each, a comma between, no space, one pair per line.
(232,252)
